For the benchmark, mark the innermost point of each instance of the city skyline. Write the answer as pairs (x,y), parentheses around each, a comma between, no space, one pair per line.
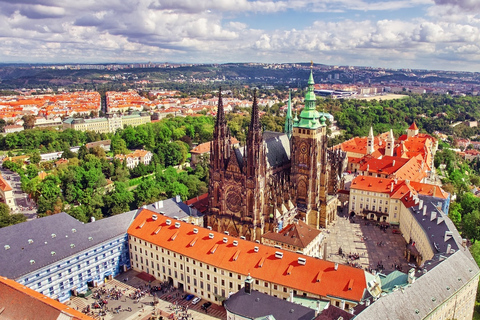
(424,34)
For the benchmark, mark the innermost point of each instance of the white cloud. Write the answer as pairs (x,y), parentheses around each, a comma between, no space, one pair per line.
(211,31)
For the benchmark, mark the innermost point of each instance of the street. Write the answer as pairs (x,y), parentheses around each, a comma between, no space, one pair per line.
(23,204)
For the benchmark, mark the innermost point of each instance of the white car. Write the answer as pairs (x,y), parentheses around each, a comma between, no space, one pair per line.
(196,300)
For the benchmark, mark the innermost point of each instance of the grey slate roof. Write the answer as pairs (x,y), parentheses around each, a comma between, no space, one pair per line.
(56,233)
(257,305)
(171,208)
(278,148)
(436,228)
(419,299)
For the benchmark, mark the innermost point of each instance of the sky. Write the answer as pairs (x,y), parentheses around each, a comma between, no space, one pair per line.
(425,34)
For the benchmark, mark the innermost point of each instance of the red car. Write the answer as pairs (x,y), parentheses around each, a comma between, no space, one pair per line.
(396,231)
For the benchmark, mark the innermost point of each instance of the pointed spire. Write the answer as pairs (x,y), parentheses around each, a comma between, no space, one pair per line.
(288,118)
(310,79)
(220,111)
(255,122)
(370,142)
(390,135)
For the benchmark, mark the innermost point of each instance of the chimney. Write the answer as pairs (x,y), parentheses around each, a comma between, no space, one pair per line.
(367,303)
(159,204)
(336,266)
(391,187)
(393,163)
(368,167)
(421,205)
(92,219)
(317,309)
(342,305)
(425,210)
(248,284)
(449,248)
(291,295)
(411,276)
(178,199)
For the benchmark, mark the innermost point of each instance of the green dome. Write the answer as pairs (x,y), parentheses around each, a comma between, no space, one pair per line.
(322,120)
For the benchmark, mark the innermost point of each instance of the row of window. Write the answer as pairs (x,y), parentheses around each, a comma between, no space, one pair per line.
(192,274)
(78,258)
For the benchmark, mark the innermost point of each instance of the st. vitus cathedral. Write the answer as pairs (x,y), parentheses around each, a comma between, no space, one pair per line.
(276,177)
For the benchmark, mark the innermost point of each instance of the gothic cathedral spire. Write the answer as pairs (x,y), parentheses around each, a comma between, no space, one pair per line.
(288,118)
(254,139)
(220,147)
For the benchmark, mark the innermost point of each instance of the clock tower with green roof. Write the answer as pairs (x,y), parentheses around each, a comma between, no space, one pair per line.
(309,161)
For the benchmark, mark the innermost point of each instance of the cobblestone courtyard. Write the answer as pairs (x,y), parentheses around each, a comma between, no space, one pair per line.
(373,246)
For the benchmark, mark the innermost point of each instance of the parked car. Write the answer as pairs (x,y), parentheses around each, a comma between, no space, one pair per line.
(206,305)
(396,231)
(189,297)
(196,300)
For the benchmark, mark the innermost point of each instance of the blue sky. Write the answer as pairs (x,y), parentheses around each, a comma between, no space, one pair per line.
(427,34)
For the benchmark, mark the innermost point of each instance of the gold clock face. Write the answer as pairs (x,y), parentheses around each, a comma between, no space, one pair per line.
(303,148)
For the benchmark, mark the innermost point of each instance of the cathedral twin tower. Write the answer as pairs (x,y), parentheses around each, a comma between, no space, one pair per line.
(276,177)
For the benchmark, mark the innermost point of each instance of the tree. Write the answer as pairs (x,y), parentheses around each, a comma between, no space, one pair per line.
(7,219)
(119,200)
(118,145)
(28,121)
(455,214)
(82,152)
(35,157)
(471,225)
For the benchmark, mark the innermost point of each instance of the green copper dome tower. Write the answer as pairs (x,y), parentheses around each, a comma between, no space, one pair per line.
(309,117)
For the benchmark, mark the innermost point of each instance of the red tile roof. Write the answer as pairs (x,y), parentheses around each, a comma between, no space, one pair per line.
(296,234)
(413,126)
(397,188)
(205,147)
(4,185)
(200,203)
(20,302)
(262,265)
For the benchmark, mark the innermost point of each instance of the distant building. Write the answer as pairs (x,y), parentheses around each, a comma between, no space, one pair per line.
(104,144)
(204,149)
(41,122)
(59,256)
(13,128)
(410,145)
(135,158)
(176,209)
(105,125)
(6,193)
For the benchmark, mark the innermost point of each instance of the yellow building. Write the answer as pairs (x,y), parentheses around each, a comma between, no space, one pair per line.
(105,125)
(211,264)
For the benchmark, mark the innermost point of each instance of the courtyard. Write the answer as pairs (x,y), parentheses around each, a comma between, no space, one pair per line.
(365,244)
(129,296)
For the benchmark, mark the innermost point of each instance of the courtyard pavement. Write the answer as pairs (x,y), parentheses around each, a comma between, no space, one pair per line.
(370,247)
(170,304)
